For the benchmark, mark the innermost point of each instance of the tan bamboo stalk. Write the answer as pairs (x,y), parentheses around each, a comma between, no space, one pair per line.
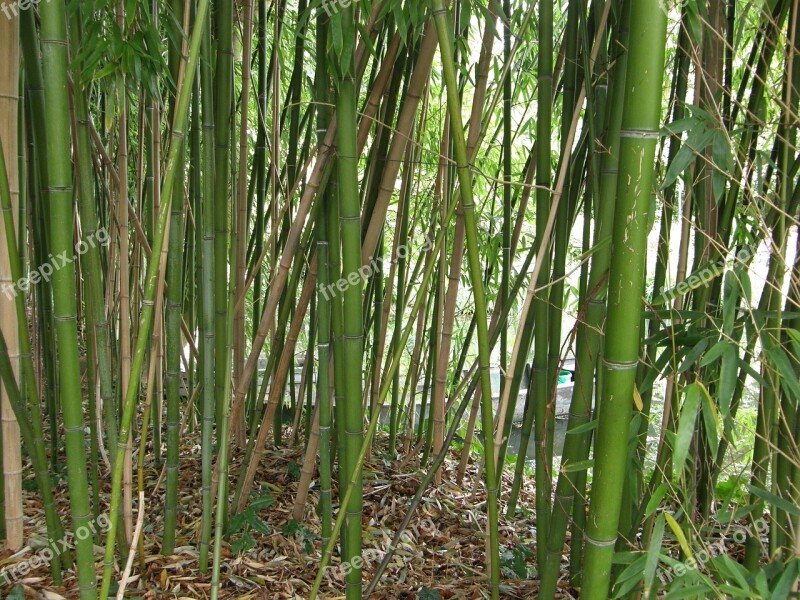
(411,385)
(387,309)
(308,364)
(276,388)
(12,447)
(240,237)
(377,91)
(316,181)
(403,133)
(367,118)
(281,274)
(386,303)
(309,465)
(437,341)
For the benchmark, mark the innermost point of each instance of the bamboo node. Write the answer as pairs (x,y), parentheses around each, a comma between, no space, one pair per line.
(620,366)
(599,543)
(640,134)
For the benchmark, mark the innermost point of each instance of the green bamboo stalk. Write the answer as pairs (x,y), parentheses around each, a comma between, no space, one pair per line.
(234,318)
(540,374)
(507,196)
(208,348)
(680,83)
(153,269)
(174,348)
(34,95)
(61,213)
(403,215)
(352,342)
(441,17)
(262,97)
(390,372)
(91,262)
(223,120)
(639,137)
(323,345)
(589,341)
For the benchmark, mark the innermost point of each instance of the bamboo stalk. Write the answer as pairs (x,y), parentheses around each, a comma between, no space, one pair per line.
(12,454)
(185,82)
(639,136)
(61,213)
(441,18)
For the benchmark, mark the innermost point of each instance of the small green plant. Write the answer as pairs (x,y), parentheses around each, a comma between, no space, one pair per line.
(293,471)
(240,525)
(514,561)
(305,535)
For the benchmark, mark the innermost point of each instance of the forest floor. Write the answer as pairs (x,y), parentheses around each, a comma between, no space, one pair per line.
(273,556)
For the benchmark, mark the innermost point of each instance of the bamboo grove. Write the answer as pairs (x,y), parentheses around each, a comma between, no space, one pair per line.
(236,226)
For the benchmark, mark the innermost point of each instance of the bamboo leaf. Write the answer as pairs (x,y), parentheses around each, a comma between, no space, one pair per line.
(731,568)
(693,355)
(748,368)
(730,295)
(774,500)
(637,399)
(630,577)
(590,426)
(686,426)
(655,499)
(653,554)
(337,37)
(676,529)
(575,467)
(692,591)
(735,592)
(711,420)
(714,353)
(786,582)
(728,377)
(780,361)
(700,136)
(794,334)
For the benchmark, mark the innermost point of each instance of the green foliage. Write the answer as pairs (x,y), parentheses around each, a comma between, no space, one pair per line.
(514,561)
(302,533)
(135,53)
(240,525)
(17,593)
(293,471)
